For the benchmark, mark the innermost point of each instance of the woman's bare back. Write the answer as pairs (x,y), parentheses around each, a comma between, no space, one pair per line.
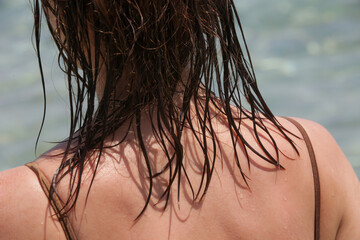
(278,204)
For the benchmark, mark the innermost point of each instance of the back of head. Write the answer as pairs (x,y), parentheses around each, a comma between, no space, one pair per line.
(152,58)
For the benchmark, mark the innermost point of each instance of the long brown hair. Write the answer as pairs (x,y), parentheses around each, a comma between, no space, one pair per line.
(151,43)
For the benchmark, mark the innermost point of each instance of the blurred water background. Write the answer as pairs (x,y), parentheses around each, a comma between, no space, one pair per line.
(306,55)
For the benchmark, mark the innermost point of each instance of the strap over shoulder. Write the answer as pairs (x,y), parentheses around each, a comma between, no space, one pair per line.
(55,202)
(315,176)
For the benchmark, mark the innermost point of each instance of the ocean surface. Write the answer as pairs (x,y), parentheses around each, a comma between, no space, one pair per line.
(306,56)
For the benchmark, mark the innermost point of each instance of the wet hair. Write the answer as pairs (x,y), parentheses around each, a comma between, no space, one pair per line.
(151,44)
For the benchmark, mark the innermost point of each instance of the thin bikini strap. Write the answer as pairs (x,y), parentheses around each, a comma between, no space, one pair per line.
(55,203)
(315,175)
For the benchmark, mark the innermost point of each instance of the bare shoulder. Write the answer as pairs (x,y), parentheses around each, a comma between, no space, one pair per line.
(340,186)
(329,155)
(24,207)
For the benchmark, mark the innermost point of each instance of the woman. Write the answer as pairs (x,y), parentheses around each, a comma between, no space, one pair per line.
(161,145)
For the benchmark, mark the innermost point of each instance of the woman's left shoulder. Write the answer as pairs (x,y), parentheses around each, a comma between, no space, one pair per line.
(24,207)
(21,201)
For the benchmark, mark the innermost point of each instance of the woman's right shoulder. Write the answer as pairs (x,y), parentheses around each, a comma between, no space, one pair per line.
(329,156)
(340,187)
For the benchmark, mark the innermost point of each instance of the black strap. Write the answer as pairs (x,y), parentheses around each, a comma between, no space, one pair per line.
(315,175)
(55,203)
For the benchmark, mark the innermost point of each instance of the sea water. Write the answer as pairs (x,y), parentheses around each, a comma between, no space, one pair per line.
(306,56)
